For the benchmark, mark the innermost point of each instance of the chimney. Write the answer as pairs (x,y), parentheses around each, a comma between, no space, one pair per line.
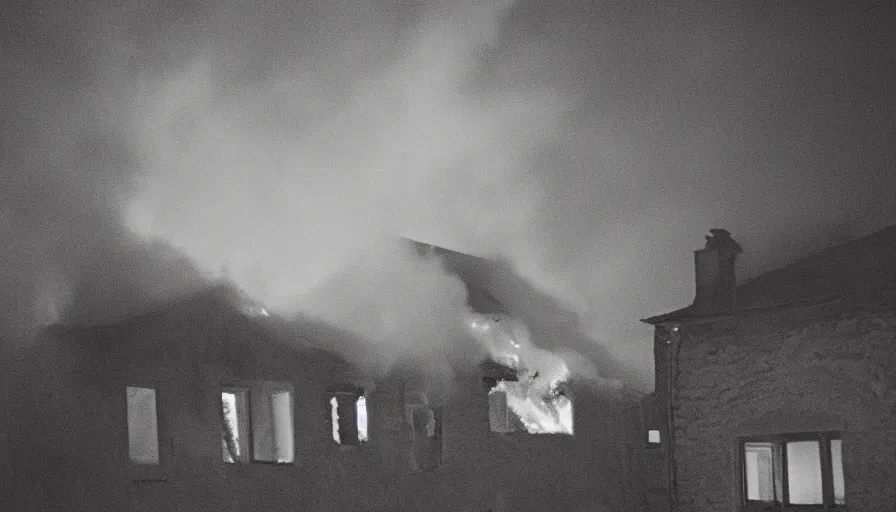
(714,272)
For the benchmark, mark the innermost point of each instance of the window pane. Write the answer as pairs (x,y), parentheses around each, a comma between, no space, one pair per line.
(361,406)
(143,429)
(804,472)
(281,405)
(497,411)
(334,416)
(653,436)
(837,470)
(234,432)
(758,470)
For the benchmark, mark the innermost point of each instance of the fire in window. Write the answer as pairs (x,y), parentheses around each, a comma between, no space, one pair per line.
(235,425)
(348,412)
(529,404)
(793,469)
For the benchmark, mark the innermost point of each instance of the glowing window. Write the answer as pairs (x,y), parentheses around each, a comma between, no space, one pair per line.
(143,426)
(348,414)
(653,436)
(804,473)
(235,425)
(522,406)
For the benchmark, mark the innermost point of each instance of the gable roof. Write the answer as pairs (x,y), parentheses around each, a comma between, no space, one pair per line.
(494,286)
(472,270)
(864,267)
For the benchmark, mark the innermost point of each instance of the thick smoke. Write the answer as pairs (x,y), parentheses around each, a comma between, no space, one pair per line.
(146,145)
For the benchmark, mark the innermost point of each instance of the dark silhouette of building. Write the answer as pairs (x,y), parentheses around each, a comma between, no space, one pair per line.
(209,404)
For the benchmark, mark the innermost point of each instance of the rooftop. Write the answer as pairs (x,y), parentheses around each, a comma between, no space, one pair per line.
(864,267)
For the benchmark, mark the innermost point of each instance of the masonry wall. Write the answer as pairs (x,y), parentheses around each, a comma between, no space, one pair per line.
(827,367)
(69,451)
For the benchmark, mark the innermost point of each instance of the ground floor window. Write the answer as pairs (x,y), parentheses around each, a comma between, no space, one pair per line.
(348,414)
(529,405)
(257,423)
(793,469)
(143,426)
(235,425)
(426,428)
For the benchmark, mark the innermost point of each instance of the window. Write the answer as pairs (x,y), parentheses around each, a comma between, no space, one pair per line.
(426,427)
(501,417)
(525,406)
(271,413)
(793,469)
(348,412)
(653,438)
(235,425)
(143,426)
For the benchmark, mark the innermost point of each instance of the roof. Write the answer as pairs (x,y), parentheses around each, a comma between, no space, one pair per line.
(472,270)
(864,267)
(494,286)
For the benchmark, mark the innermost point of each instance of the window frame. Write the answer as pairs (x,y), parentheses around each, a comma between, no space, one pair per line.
(140,472)
(779,443)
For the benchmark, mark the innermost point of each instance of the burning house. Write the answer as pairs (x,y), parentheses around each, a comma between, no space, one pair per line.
(207,404)
(779,393)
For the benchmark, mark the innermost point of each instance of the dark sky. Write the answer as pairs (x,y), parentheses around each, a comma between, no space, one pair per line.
(593,143)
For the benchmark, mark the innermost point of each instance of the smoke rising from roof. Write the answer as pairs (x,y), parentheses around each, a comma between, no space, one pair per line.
(147,145)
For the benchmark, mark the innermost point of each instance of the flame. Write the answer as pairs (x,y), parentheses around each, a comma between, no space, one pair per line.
(535,398)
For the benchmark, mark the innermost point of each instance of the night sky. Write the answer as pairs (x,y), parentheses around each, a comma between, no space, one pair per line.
(146,145)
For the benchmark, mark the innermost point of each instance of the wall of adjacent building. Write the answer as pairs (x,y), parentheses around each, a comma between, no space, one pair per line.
(810,368)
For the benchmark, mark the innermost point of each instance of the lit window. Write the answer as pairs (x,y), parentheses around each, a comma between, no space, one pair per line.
(653,437)
(348,414)
(794,469)
(143,426)
(234,425)
(361,412)
(272,423)
(522,406)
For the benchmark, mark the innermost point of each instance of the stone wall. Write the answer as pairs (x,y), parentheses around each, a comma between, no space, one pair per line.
(824,367)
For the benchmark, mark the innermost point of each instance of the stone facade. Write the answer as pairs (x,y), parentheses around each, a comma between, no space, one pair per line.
(825,362)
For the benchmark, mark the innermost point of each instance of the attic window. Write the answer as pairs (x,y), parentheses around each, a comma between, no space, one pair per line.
(526,406)
(348,412)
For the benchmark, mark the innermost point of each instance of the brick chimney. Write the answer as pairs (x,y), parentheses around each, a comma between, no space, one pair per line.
(714,272)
